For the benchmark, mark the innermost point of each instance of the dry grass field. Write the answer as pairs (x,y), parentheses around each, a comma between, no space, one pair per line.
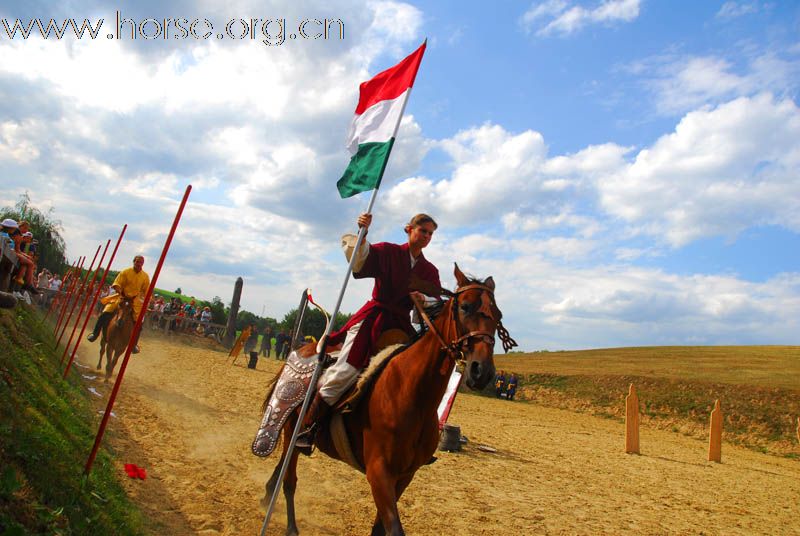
(759,366)
(758,386)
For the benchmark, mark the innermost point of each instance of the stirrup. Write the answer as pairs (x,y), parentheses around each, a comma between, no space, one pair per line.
(305,439)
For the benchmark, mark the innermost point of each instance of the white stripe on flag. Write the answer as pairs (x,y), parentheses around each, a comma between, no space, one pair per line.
(376,124)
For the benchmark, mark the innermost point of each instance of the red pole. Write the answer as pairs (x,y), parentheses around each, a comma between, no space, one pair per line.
(68,297)
(136,328)
(94,301)
(77,297)
(83,305)
(53,301)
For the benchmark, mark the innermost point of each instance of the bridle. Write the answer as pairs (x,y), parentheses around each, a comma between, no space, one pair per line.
(456,348)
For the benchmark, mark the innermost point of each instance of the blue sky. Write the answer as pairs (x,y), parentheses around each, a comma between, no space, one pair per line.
(627,170)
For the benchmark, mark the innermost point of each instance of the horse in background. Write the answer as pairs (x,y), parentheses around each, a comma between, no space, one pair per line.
(116,335)
(394,429)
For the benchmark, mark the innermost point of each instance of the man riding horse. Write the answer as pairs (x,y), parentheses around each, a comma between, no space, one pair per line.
(132,282)
(392,266)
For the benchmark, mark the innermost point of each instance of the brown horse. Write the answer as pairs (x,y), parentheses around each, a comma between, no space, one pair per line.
(394,429)
(116,335)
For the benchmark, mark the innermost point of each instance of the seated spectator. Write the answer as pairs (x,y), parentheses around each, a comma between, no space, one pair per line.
(27,268)
(511,389)
(205,316)
(500,384)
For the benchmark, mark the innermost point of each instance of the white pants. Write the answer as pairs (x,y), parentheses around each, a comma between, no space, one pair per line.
(341,375)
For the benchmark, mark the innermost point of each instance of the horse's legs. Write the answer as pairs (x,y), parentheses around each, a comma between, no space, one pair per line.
(111,362)
(384,493)
(377,526)
(289,481)
(102,349)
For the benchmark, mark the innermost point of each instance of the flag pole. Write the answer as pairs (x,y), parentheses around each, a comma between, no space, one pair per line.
(362,231)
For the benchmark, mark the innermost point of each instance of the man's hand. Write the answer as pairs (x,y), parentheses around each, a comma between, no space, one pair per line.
(418,297)
(365,220)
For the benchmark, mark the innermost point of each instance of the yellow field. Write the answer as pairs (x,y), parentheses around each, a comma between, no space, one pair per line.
(761,366)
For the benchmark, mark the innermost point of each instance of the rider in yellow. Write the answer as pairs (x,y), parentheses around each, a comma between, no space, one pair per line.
(132,282)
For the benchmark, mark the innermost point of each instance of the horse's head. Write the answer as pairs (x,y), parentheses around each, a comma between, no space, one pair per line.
(477,320)
(124,311)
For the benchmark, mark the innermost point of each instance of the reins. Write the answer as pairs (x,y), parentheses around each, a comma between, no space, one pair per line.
(455,349)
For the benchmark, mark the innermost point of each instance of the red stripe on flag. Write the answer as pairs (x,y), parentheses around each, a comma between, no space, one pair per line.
(391,83)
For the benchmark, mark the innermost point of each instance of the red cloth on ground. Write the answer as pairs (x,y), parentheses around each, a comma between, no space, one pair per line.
(390,306)
(134,471)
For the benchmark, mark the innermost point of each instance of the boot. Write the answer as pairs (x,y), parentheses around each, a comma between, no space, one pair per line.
(317,412)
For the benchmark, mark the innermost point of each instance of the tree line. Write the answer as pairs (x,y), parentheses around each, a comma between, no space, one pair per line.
(52,255)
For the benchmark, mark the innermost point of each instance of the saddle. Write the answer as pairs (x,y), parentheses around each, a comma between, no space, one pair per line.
(290,391)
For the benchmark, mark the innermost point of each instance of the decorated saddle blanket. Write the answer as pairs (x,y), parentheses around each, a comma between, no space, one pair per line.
(288,393)
(291,388)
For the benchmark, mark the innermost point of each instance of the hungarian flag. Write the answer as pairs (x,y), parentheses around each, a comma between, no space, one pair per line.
(380,107)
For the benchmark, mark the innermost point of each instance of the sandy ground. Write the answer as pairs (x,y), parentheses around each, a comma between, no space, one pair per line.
(188,416)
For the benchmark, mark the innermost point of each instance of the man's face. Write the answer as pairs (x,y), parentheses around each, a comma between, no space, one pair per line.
(138,262)
(420,235)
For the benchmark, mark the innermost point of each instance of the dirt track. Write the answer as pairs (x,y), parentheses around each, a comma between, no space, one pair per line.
(188,416)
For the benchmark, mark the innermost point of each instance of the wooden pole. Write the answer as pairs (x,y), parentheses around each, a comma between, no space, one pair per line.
(798,429)
(715,435)
(233,313)
(632,422)
(56,295)
(80,292)
(86,296)
(94,300)
(70,290)
(134,335)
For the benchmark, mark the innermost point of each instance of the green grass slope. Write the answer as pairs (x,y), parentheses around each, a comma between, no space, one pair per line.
(47,429)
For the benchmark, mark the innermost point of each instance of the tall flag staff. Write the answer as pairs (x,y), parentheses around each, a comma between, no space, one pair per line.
(381,103)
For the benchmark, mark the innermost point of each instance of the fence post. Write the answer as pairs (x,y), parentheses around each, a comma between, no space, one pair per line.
(715,435)
(632,422)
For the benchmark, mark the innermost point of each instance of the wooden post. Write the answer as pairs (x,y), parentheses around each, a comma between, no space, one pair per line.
(798,429)
(230,336)
(715,435)
(632,422)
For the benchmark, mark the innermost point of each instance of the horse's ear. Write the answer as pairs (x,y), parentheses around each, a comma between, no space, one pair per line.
(461,279)
(489,282)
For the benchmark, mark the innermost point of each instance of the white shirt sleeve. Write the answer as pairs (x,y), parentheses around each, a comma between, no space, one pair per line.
(348,245)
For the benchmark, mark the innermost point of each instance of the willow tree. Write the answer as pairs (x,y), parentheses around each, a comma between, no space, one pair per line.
(45,228)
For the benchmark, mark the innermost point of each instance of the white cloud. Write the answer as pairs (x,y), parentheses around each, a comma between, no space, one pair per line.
(493,171)
(682,84)
(732,9)
(722,170)
(567,20)
(15,144)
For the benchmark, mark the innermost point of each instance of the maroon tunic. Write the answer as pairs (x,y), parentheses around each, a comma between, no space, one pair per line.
(390,306)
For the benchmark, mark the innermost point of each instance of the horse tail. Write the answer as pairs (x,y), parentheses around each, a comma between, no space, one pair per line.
(271,388)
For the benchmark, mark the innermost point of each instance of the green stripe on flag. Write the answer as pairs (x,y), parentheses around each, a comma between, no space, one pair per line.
(365,169)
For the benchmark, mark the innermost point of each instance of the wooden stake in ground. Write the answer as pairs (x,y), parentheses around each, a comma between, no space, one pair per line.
(715,435)
(798,429)
(632,422)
